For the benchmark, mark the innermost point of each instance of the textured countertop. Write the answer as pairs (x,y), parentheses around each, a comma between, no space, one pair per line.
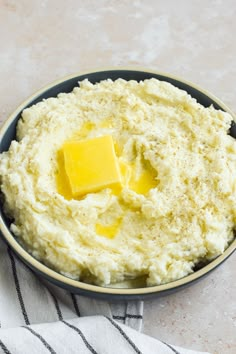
(45,40)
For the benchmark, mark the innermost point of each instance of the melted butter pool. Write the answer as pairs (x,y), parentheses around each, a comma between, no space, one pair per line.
(62,182)
(109,231)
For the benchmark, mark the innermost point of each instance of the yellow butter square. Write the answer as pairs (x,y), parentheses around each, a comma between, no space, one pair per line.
(91,165)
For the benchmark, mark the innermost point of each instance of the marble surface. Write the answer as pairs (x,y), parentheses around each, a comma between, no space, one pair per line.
(45,40)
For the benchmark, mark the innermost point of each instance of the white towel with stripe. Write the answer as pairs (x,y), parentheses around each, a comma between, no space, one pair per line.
(38,318)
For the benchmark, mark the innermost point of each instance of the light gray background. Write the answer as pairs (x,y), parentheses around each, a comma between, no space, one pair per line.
(41,41)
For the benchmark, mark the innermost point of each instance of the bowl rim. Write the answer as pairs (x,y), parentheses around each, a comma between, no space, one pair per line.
(79,285)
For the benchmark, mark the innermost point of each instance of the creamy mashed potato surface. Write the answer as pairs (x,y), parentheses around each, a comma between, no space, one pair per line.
(185,215)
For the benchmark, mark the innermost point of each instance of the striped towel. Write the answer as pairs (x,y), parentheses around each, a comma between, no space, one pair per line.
(37,317)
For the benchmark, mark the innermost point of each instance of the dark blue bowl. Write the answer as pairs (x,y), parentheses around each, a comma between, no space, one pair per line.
(139,290)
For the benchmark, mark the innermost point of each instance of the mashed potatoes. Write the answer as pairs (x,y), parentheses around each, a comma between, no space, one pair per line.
(162,232)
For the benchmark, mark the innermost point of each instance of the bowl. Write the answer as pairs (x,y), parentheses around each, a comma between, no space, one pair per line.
(138,290)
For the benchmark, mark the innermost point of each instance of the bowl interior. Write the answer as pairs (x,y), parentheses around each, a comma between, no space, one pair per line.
(67,86)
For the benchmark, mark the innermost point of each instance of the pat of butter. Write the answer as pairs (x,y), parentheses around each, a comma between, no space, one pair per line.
(91,165)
